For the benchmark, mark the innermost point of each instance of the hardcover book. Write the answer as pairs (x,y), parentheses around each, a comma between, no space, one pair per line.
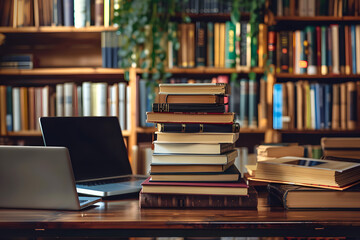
(212,137)
(196,88)
(341,147)
(198,127)
(299,171)
(239,188)
(188,107)
(192,98)
(150,200)
(192,148)
(189,168)
(297,197)
(229,175)
(163,117)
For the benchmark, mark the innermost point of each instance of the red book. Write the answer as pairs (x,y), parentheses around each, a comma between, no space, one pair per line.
(198,188)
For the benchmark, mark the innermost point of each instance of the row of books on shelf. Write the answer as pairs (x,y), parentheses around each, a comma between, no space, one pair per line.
(79,13)
(312,8)
(304,105)
(333,49)
(22,106)
(193,159)
(205,6)
(16,61)
(217,44)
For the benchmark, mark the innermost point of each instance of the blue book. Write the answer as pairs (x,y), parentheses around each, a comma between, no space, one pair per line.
(244,91)
(68,12)
(277,106)
(353,48)
(114,49)
(9,109)
(316,88)
(327,105)
(321,102)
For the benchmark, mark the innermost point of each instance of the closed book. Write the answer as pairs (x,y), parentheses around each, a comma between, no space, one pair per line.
(191,45)
(335,119)
(262,44)
(290,87)
(24,108)
(16,109)
(297,197)
(254,57)
(9,109)
(230,54)
(31,100)
(189,167)
(230,174)
(280,151)
(192,148)
(343,106)
(183,45)
(308,171)
(335,48)
(272,45)
(207,137)
(342,48)
(244,103)
(216,44)
(69,99)
(3,126)
(200,46)
(68,12)
(153,200)
(234,99)
(196,88)
(80,13)
(278,106)
(156,117)
(324,67)
(327,105)
(347,49)
(300,105)
(188,107)
(253,104)
(303,59)
(210,45)
(347,147)
(351,105)
(353,49)
(243,44)
(199,127)
(311,56)
(191,98)
(99,13)
(222,33)
(226,188)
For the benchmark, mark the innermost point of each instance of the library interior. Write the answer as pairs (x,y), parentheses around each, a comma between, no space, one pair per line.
(180,119)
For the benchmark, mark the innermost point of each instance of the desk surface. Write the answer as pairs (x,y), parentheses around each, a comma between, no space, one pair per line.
(124,218)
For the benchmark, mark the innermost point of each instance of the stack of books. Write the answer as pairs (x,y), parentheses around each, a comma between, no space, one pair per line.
(193,160)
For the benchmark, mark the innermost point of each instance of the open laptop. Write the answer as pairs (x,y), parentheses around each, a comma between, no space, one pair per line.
(39,178)
(98,153)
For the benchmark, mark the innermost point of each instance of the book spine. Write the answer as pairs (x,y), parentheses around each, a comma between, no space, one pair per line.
(311,57)
(142,102)
(328,104)
(222,32)
(335,119)
(343,106)
(166,107)
(272,45)
(277,106)
(300,105)
(329,50)
(253,122)
(59,100)
(284,53)
(195,128)
(99,13)
(191,45)
(210,44)
(324,68)
(353,48)
(148,200)
(80,13)
(335,49)
(357,46)
(244,91)
(200,44)
(86,98)
(243,44)
(341,46)
(122,105)
(303,61)
(16,109)
(68,12)
(347,44)
(351,106)
(68,99)
(230,54)
(254,59)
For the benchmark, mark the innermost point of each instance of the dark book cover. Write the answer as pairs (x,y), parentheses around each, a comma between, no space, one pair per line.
(311,55)
(99,12)
(150,200)
(210,44)
(329,50)
(188,107)
(342,48)
(200,46)
(254,46)
(272,45)
(195,128)
(69,12)
(243,43)
(230,54)
(284,53)
(234,99)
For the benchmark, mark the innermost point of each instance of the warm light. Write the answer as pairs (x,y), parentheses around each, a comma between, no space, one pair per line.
(303,64)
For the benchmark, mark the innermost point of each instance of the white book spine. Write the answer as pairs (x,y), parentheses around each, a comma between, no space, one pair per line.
(128,108)
(79,100)
(80,13)
(297,52)
(38,106)
(45,101)
(68,99)
(248,46)
(16,109)
(86,99)
(335,49)
(357,37)
(59,100)
(101,99)
(122,106)
(113,101)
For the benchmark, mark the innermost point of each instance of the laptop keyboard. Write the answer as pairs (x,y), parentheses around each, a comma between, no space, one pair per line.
(108,181)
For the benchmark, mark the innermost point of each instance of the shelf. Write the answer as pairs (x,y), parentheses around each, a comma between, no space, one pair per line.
(212,70)
(62,71)
(323,131)
(317,76)
(208,16)
(33,133)
(60,29)
(317,19)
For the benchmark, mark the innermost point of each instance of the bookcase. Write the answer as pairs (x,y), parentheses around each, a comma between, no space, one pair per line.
(68,54)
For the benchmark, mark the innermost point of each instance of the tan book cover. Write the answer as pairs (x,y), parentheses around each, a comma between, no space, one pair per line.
(184,45)
(291,103)
(280,151)
(32,119)
(169,98)
(351,105)
(222,45)
(160,117)
(299,105)
(343,106)
(190,45)
(207,137)
(195,88)
(217,44)
(335,120)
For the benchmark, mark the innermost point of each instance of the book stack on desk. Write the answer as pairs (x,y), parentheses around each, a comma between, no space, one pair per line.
(193,160)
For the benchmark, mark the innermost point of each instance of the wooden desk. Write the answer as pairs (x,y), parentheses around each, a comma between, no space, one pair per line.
(123,218)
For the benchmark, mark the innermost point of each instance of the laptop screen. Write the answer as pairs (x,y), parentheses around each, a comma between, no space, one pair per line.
(95,144)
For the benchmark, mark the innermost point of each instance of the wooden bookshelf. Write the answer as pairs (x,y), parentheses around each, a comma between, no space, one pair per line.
(325,19)
(63,71)
(316,76)
(57,29)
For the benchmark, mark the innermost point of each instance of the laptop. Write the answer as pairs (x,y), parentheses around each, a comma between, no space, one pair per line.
(98,153)
(39,178)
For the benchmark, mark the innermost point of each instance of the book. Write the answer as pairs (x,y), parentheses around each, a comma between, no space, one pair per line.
(200,45)
(280,151)
(196,88)
(157,117)
(297,197)
(320,173)
(151,200)
(99,13)
(189,168)
(188,107)
(230,45)
(210,44)
(347,147)
(230,174)
(192,148)
(199,127)
(207,137)
(244,103)
(351,105)
(191,98)
(239,188)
